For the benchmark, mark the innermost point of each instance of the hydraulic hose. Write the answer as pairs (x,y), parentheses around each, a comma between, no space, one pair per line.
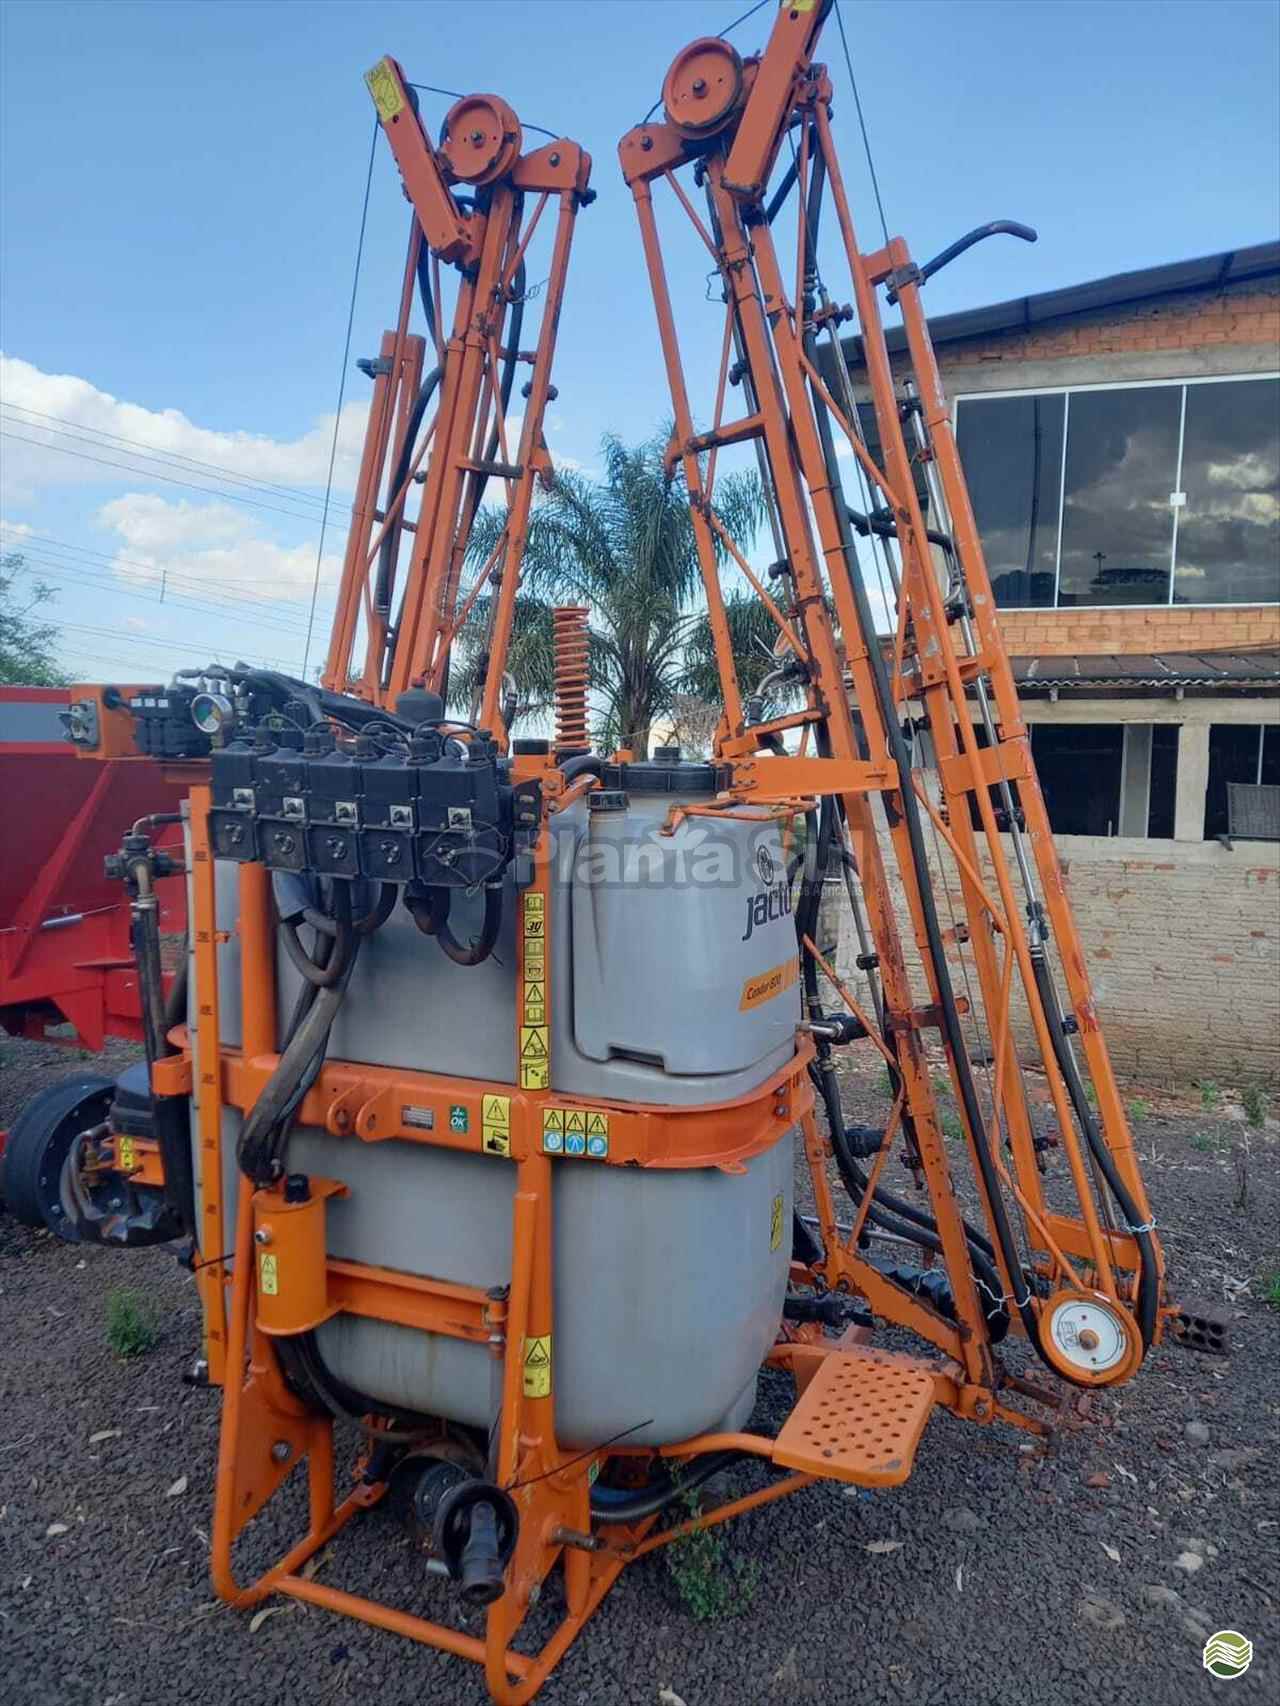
(1148,1299)
(609,1506)
(951,1026)
(430,912)
(399,474)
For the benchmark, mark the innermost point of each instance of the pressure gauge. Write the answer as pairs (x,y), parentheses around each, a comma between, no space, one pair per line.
(212,713)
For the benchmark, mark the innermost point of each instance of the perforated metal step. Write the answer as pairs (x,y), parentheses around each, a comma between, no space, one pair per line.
(859,1419)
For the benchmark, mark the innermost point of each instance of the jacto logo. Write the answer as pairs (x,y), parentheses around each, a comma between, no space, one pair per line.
(1228,1654)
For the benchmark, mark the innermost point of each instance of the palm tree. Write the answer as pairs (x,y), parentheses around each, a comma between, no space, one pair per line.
(624,546)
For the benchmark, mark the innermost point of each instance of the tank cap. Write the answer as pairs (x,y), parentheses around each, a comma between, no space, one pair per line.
(418,705)
(607,800)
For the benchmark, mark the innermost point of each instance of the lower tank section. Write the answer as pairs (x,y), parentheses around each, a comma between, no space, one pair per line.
(667,1288)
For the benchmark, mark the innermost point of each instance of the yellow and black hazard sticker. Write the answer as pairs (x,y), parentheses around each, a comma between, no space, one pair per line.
(537,1366)
(535,1001)
(576,1131)
(495,1122)
(764,985)
(385,91)
(269,1275)
(535,916)
(126,1155)
(775,1223)
(533,1057)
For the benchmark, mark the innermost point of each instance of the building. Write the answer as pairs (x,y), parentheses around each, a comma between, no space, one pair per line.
(1121,440)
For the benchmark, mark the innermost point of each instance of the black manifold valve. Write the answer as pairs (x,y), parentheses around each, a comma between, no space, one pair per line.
(405,805)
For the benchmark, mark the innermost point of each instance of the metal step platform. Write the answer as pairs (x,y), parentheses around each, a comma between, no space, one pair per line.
(859,1419)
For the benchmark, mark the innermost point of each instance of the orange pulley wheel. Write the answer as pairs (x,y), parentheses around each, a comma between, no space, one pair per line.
(1089,1338)
(481,139)
(702,87)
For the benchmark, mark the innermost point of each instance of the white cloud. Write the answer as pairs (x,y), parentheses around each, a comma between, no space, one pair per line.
(41,405)
(212,546)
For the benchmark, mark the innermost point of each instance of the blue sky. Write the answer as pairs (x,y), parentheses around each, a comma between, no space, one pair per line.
(181,184)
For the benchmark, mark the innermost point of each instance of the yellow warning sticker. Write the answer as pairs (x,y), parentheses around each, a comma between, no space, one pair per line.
(385,91)
(775,1223)
(126,1155)
(496,1111)
(534,1075)
(533,1042)
(268,1275)
(496,1140)
(575,1120)
(597,1125)
(534,902)
(553,1119)
(537,1366)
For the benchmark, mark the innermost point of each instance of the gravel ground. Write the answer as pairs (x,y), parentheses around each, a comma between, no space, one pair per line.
(995,1576)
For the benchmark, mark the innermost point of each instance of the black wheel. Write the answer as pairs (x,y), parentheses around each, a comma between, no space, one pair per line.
(38,1143)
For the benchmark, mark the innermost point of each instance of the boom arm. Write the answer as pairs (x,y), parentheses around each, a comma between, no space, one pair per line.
(1083,1286)
(438,414)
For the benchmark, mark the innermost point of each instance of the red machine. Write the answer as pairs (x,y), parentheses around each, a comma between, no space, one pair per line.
(65,957)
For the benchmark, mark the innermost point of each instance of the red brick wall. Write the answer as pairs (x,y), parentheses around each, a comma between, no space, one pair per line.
(1249,314)
(1179,628)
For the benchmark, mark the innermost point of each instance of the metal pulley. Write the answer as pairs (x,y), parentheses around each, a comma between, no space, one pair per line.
(703,87)
(481,139)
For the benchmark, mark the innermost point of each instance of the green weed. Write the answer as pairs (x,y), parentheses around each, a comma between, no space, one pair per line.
(1139,1108)
(1210,1093)
(708,1578)
(1254,1102)
(1271,1288)
(133,1323)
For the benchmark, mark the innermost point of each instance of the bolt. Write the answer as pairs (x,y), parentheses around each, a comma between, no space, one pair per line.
(646,142)
(555,158)
(477,137)
(281,1451)
(1088,1339)
(262,1235)
(699,85)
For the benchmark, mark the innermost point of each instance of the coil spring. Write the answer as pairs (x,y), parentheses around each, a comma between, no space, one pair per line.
(572,644)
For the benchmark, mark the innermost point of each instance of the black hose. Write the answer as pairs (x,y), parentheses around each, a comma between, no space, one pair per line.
(585,764)
(399,474)
(953,1030)
(1148,1299)
(430,912)
(323,976)
(606,1510)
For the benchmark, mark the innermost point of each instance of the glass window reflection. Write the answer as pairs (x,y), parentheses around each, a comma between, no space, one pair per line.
(1117,520)
(1012,452)
(1229,530)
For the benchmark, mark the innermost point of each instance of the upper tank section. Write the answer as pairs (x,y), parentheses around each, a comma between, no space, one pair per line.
(683,942)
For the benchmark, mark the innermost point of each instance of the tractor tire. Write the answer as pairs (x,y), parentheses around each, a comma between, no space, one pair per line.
(38,1142)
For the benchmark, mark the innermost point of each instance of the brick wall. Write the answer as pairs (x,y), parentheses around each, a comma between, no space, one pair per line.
(1182,942)
(1246,314)
(1132,630)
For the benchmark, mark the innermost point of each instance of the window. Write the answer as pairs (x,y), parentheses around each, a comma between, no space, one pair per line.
(1117,522)
(1107,778)
(1238,752)
(1229,531)
(1138,494)
(1012,450)
(1079,765)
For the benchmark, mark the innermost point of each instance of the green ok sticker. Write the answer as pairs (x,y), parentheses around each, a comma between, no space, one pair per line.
(457,1117)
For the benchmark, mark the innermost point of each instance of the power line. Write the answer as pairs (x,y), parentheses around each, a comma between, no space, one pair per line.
(150,474)
(866,140)
(173,457)
(20,539)
(230,603)
(161,645)
(342,389)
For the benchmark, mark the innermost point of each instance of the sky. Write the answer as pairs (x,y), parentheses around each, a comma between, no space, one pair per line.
(181,186)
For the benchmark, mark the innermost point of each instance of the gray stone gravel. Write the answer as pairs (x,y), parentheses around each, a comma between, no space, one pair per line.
(1001,1593)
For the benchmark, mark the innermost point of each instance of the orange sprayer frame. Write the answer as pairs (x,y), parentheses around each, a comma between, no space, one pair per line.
(859,1412)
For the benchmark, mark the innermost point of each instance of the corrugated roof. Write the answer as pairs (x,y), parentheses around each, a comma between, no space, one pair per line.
(1205,272)
(1223,670)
